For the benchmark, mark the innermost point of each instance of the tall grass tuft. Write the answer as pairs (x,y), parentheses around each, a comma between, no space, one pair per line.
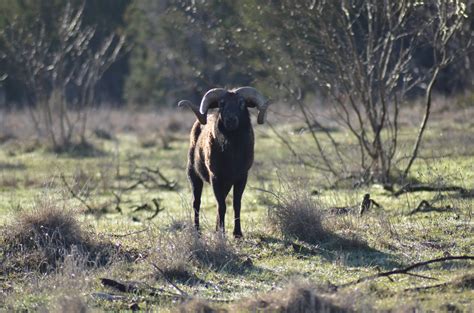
(178,249)
(39,240)
(298,215)
(296,297)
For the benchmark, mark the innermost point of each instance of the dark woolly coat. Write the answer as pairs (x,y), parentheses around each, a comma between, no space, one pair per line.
(215,153)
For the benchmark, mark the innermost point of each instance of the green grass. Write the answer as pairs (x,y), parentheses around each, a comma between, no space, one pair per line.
(265,261)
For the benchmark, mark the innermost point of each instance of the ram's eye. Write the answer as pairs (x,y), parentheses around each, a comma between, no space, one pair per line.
(242,104)
(221,103)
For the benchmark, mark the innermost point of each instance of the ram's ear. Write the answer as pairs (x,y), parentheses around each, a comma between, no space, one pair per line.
(202,118)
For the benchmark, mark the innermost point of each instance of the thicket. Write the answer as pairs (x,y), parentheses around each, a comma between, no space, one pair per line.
(181,48)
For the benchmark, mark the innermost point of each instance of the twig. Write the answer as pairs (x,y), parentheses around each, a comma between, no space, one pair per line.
(158,209)
(118,200)
(142,207)
(406,270)
(267,191)
(135,185)
(427,287)
(171,185)
(182,292)
(74,195)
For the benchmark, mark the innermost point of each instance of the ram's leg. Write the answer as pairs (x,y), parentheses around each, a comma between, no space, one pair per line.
(196,186)
(220,192)
(239,188)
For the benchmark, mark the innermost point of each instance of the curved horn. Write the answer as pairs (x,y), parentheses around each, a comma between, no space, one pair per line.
(202,118)
(211,96)
(251,95)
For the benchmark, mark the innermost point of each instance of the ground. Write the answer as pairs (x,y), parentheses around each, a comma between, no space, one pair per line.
(145,226)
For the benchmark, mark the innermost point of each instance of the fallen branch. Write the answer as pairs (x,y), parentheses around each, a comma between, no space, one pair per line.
(137,288)
(406,270)
(427,287)
(429,188)
(158,208)
(169,184)
(465,281)
(425,207)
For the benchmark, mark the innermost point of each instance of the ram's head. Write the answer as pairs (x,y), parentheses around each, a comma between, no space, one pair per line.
(232,105)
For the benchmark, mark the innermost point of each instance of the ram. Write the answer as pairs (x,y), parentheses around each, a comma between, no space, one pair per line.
(221,148)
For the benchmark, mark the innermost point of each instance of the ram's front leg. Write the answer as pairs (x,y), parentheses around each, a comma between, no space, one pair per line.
(221,190)
(239,188)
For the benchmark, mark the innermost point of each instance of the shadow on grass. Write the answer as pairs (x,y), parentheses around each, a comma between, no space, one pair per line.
(334,248)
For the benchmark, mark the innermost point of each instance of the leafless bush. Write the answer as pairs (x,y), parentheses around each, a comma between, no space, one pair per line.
(362,57)
(53,65)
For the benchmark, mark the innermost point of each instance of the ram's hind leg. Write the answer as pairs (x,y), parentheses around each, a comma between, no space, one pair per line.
(196,186)
(239,188)
(220,192)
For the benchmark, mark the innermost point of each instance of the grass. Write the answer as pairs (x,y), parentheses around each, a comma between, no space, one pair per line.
(39,240)
(294,250)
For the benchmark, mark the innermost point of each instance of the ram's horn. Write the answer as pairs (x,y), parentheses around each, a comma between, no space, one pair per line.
(202,118)
(211,96)
(256,99)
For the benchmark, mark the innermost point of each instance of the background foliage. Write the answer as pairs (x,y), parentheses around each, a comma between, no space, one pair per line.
(180,49)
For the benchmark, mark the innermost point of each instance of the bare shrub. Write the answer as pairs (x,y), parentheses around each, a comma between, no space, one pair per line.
(297,215)
(41,238)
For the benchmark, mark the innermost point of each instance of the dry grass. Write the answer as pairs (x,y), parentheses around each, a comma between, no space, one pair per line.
(39,240)
(297,215)
(63,290)
(295,297)
(196,305)
(178,248)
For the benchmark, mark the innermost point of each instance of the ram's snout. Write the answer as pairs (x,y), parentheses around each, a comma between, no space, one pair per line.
(231,123)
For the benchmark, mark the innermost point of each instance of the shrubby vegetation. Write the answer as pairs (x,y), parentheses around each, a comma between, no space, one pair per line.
(365,59)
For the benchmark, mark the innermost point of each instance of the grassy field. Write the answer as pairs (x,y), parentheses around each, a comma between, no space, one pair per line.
(121,212)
